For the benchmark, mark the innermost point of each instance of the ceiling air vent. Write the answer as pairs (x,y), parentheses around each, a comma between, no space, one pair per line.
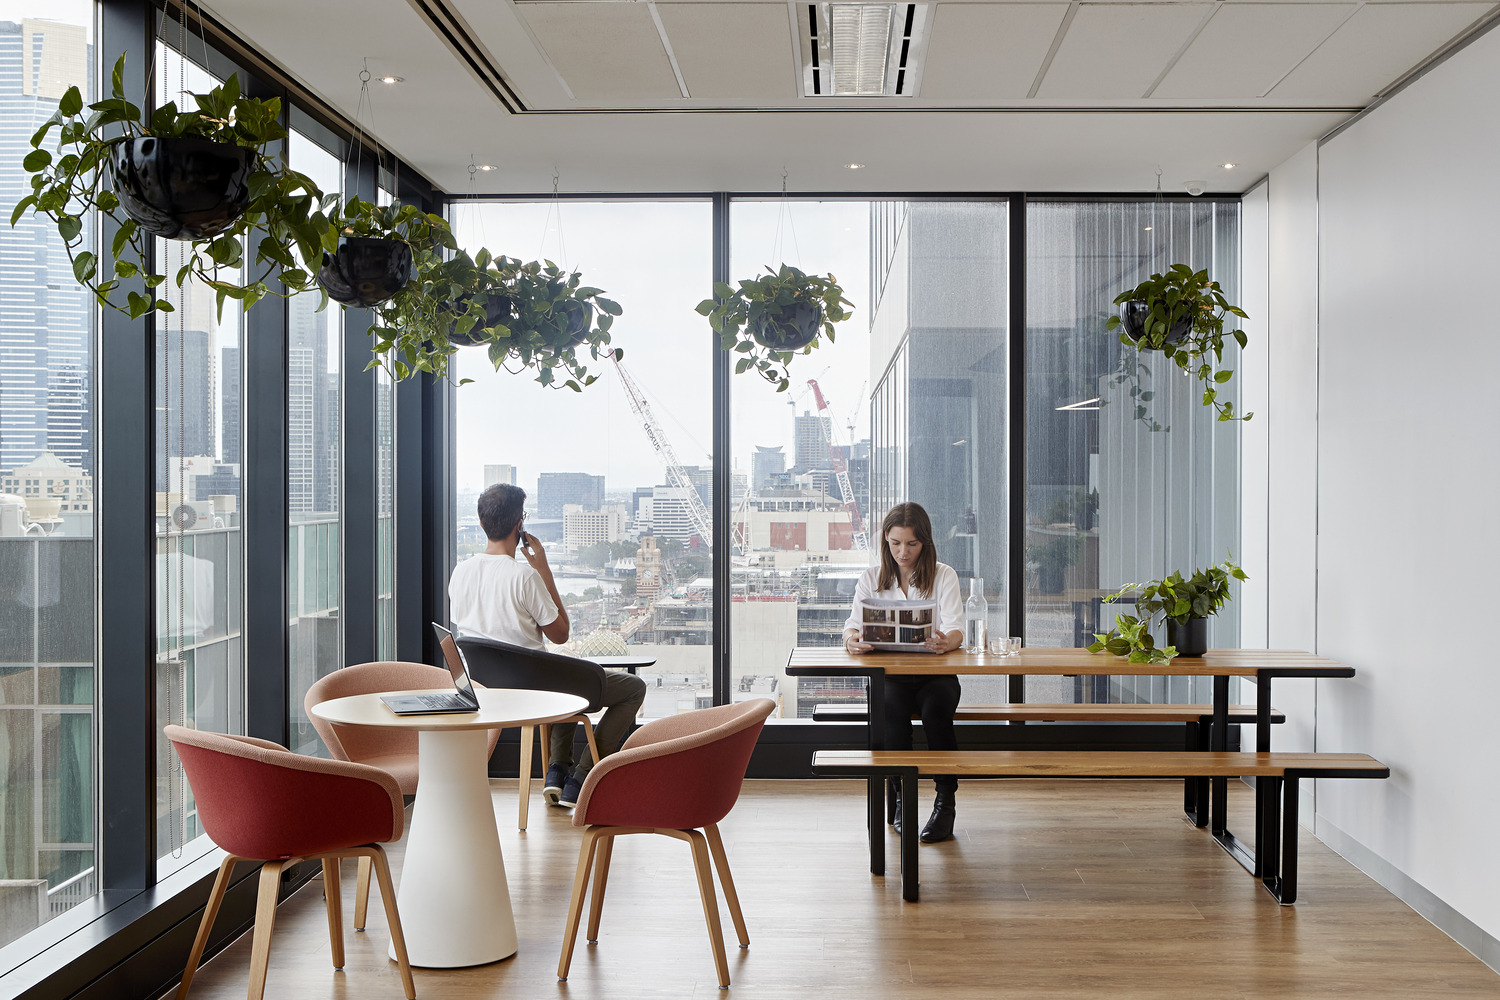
(862,49)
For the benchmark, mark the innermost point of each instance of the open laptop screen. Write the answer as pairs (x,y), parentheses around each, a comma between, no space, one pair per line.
(453,658)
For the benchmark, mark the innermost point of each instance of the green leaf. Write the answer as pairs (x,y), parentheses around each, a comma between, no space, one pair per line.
(37,159)
(84,267)
(117,81)
(1223,376)
(21,207)
(68,227)
(71,102)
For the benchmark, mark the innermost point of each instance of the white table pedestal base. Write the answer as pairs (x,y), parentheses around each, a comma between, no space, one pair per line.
(454,900)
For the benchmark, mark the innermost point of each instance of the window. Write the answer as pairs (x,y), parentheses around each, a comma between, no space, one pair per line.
(200,678)
(48,836)
(1128,477)
(632,560)
(910,404)
(314,409)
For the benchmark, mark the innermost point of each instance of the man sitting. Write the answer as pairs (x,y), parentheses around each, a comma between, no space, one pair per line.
(499,596)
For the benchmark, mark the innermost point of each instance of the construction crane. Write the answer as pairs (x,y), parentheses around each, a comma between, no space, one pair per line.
(663,447)
(840,468)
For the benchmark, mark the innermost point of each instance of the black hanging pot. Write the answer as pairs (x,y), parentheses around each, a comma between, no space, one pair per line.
(788,329)
(1135,313)
(580,316)
(365,271)
(1190,639)
(182,189)
(497,309)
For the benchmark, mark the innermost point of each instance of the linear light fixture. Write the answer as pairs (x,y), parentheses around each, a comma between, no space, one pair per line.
(862,49)
(1082,404)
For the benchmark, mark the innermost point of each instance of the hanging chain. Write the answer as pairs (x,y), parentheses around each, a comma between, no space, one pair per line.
(554,210)
(784,223)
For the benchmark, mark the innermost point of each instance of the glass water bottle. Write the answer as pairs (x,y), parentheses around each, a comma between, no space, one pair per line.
(976,618)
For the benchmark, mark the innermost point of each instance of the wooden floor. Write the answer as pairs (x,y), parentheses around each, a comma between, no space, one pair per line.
(1073,889)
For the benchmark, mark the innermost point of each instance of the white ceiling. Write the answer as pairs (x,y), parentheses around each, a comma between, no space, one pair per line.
(703,95)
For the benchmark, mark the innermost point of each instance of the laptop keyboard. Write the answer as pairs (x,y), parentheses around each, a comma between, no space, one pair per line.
(440,701)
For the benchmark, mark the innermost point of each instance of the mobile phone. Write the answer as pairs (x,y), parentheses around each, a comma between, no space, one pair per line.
(521,539)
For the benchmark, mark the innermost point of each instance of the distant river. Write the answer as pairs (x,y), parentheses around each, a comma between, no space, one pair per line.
(578,584)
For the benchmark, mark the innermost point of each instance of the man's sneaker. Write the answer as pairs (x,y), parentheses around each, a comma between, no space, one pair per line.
(570,791)
(552,788)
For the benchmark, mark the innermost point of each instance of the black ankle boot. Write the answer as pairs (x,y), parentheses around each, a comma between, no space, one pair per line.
(940,824)
(893,789)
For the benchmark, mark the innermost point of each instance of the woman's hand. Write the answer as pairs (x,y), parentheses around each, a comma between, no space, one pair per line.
(945,642)
(854,647)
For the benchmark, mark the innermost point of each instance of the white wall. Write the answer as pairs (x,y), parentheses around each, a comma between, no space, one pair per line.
(1407,217)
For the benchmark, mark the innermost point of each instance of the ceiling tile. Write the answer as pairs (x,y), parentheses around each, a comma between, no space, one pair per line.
(987,51)
(1245,48)
(609,53)
(734,53)
(1373,49)
(1116,51)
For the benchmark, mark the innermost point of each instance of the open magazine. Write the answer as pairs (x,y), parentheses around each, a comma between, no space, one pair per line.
(899,625)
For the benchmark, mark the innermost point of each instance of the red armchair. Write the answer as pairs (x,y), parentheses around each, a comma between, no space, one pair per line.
(674,776)
(261,802)
(393,750)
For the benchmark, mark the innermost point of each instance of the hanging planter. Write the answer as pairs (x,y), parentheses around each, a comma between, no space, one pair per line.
(496,310)
(1181,313)
(365,271)
(773,315)
(201,176)
(188,189)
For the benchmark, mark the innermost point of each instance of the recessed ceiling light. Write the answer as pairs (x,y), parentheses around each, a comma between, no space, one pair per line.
(1230,166)
(484,166)
(854,166)
(1147,229)
(392,79)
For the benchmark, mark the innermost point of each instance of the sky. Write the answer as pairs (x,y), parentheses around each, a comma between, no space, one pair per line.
(655,260)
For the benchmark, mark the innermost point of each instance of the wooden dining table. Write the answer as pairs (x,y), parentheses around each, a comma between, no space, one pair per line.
(1262,665)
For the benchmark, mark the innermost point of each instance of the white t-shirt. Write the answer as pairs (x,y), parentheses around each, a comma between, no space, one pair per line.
(500,597)
(950,609)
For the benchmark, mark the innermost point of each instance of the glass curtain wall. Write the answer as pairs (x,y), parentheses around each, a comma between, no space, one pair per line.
(1128,476)
(908,404)
(385,500)
(200,679)
(632,562)
(47,578)
(314,415)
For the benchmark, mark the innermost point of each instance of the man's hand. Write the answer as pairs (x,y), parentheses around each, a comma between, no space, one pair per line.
(535,554)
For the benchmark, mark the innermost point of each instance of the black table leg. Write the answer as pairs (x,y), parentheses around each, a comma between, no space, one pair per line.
(909,835)
(1220,741)
(1283,883)
(1195,790)
(875,727)
(1265,849)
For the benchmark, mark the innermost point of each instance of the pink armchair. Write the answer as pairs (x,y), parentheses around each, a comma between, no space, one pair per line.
(261,802)
(674,776)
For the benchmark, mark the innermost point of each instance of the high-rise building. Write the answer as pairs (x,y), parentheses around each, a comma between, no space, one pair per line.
(46,317)
(554,490)
(765,465)
(312,410)
(184,395)
(811,443)
(494,475)
(229,405)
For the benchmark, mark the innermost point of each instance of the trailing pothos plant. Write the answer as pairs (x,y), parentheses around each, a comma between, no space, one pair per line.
(772,316)
(1181,313)
(76,176)
(1175,597)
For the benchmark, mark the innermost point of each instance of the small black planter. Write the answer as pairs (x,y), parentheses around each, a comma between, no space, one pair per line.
(182,189)
(789,330)
(1190,639)
(365,271)
(497,309)
(1133,316)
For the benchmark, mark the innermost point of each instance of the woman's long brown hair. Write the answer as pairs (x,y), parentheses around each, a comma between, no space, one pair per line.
(908,515)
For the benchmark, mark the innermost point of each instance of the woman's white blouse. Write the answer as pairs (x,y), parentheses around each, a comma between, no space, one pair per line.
(950,607)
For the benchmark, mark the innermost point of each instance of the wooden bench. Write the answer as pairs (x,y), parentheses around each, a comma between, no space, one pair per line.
(1276,774)
(1197,720)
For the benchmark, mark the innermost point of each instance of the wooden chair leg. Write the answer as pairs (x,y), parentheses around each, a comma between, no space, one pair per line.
(210,913)
(333,899)
(524,771)
(601,876)
(362,894)
(721,862)
(588,734)
(704,870)
(575,905)
(265,923)
(382,868)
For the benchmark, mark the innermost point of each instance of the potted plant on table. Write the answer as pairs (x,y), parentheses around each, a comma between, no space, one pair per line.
(772,316)
(1181,313)
(1185,604)
(201,176)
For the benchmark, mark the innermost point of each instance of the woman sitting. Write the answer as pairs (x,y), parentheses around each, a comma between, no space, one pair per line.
(909,570)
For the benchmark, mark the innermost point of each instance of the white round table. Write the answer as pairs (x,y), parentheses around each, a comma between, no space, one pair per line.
(453,898)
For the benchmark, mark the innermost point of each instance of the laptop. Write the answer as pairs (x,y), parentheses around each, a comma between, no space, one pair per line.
(445,702)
